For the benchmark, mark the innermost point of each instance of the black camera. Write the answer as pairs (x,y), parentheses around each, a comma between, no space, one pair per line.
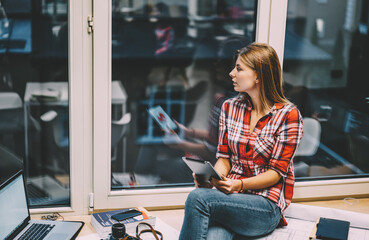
(118,232)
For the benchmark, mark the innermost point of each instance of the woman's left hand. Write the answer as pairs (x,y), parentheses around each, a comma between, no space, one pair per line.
(226,185)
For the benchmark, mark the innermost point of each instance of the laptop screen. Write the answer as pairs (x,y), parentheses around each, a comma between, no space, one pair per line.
(13,206)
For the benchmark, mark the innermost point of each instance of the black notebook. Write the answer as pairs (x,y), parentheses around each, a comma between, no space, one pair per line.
(332,229)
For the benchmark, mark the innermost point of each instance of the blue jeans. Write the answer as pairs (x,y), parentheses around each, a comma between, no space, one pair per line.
(211,214)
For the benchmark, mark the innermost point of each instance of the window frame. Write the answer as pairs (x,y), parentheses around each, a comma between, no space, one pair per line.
(80,117)
(270,28)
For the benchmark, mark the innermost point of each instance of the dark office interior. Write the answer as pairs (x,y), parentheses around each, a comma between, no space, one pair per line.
(167,53)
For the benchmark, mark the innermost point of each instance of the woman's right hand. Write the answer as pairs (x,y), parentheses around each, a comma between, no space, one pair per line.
(200,182)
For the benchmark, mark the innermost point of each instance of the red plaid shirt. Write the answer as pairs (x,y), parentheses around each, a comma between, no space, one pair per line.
(271,145)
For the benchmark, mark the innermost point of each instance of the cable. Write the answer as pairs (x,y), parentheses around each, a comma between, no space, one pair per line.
(52,217)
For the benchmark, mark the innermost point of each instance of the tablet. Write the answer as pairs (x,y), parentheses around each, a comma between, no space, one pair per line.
(163,119)
(202,168)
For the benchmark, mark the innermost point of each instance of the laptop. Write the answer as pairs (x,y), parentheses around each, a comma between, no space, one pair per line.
(15,221)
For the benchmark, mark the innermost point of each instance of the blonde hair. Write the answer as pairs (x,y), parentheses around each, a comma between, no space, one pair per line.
(263,59)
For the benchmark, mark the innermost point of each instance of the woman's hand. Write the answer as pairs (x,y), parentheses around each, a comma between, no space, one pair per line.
(201,182)
(227,185)
(188,133)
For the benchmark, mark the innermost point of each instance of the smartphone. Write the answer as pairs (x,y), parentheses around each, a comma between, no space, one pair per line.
(163,119)
(125,215)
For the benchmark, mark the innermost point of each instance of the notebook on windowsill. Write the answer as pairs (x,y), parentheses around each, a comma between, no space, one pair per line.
(330,229)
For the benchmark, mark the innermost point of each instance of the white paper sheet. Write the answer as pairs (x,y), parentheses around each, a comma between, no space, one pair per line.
(312,213)
(302,218)
(296,230)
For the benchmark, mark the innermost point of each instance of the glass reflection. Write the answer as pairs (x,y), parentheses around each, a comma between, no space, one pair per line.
(34,106)
(176,55)
(325,64)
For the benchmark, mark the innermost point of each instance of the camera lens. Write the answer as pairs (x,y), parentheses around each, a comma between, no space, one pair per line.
(118,230)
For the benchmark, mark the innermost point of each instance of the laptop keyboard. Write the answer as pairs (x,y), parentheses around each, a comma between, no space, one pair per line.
(37,231)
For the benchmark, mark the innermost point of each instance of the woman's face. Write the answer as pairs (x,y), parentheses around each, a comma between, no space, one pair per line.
(244,78)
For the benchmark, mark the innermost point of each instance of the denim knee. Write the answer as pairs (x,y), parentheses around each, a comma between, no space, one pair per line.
(197,197)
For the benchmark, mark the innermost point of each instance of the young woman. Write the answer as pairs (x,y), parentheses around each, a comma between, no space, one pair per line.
(259,132)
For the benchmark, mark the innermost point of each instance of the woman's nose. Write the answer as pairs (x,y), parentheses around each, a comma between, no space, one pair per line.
(231,74)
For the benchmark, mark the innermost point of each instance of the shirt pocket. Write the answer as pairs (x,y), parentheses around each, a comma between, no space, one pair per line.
(262,150)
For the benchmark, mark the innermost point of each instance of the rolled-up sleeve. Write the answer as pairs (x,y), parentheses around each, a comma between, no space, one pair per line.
(287,140)
(223,148)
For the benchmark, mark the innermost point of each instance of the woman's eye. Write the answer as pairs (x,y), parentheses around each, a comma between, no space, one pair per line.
(238,69)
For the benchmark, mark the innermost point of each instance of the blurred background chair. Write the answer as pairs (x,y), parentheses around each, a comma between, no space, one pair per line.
(55,143)
(311,138)
(308,146)
(119,129)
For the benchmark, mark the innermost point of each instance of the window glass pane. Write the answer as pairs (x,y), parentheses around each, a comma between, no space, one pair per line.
(176,55)
(34,106)
(326,63)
